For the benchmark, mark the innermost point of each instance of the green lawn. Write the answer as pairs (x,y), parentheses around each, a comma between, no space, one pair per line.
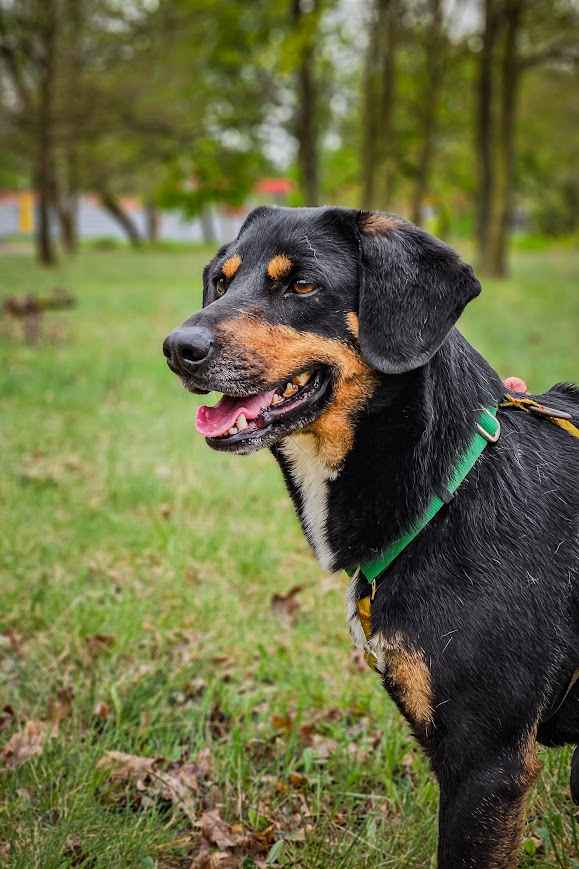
(137,575)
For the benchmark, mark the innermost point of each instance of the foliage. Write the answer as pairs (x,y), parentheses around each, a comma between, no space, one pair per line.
(189,102)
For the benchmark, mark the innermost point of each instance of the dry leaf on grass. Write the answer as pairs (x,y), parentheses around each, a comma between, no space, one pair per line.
(283,722)
(286,606)
(218,832)
(25,743)
(7,716)
(153,779)
(128,767)
(101,711)
(98,643)
(234,843)
(297,780)
(207,859)
(358,660)
(323,747)
(11,640)
(60,707)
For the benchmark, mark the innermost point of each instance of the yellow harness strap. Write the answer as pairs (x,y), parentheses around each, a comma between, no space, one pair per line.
(557,417)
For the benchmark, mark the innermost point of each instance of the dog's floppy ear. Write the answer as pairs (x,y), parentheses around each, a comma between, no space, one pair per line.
(413,289)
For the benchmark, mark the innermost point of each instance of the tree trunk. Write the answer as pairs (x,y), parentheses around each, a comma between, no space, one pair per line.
(45,178)
(430,101)
(208,230)
(370,125)
(152,222)
(113,205)
(306,114)
(485,138)
(67,222)
(505,156)
(69,165)
(65,208)
(389,12)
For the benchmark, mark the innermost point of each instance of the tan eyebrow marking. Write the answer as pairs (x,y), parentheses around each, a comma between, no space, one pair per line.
(279,267)
(230,266)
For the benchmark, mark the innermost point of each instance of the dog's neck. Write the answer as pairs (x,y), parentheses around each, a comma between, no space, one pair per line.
(407,443)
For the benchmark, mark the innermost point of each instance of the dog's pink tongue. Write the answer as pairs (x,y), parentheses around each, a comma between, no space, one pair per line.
(215,421)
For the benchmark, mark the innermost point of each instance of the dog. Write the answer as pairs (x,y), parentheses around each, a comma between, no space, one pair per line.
(331,335)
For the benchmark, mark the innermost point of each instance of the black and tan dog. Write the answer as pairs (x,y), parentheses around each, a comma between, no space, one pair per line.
(331,335)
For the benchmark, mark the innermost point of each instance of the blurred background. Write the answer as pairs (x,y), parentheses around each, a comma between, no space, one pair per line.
(177,686)
(167,119)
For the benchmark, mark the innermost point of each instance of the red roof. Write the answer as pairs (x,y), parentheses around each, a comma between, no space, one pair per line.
(274,185)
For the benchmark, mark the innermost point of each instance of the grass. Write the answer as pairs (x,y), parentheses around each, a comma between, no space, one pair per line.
(136,575)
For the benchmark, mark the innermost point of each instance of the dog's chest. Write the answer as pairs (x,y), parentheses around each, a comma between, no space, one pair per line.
(311,477)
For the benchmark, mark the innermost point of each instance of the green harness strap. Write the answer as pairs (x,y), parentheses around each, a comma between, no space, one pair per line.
(488,431)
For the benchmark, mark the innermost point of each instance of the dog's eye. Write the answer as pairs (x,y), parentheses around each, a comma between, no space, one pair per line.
(220,286)
(303,288)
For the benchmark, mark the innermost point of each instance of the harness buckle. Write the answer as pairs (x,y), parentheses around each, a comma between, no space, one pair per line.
(491,437)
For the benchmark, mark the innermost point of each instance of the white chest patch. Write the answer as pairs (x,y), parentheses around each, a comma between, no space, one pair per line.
(311,477)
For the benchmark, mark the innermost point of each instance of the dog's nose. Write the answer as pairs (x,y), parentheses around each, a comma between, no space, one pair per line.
(189,347)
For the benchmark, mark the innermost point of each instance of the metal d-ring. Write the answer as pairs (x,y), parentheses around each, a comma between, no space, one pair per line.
(491,438)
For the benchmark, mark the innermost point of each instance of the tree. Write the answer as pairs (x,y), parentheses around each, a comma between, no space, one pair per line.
(306,129)
(510,70)
(28,48)
(485,127)
(429,107)
(551,31)
(379,102)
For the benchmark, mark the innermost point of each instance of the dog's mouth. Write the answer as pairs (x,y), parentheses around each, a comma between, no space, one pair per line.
(245,424)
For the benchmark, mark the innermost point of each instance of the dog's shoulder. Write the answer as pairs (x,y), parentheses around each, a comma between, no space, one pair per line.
(564,396)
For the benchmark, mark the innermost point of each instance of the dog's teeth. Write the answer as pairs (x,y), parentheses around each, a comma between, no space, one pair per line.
(301,379)
(277,399)
(241,422)
(290,390)
(232,430)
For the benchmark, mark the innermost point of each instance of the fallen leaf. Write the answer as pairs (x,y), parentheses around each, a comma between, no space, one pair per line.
(179,785)
(97,643)
(7,717)
(286,606)
(283,722)
(60,707)
(25,743)
(218,722)
(204,763)
(358,660)
(297,780)
(128,767)
(207,859)
(323,747)
(154,778)
(101,711)
(218,832)
(11,640)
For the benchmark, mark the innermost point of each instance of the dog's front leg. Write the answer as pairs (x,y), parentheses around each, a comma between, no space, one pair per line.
(482,810)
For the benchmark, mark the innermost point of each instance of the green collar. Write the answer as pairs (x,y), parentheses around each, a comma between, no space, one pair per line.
(488,431)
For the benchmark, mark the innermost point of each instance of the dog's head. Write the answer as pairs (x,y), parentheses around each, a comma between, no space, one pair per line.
(303,313)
